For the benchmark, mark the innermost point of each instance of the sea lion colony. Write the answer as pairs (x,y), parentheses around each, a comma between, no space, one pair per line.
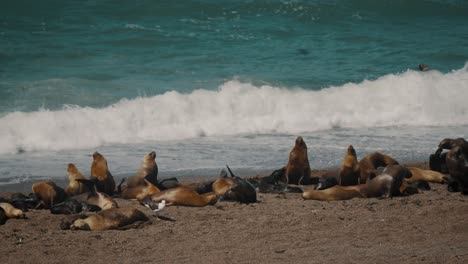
(90,203)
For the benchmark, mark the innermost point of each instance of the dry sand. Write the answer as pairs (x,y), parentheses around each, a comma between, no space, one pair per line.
(431,227)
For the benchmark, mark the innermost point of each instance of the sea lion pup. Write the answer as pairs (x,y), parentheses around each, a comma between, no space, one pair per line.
(181,195)
(11,211)
(388,183)
(372,162)
(139,192)
(276,182)
(148,169)
(425,175)
(94,197)
(74,187)
(335,193)
(298,168)
(48,193)
(100,171)
(349,171)
(457,164)
(243,191)
(72,206)
(115,218)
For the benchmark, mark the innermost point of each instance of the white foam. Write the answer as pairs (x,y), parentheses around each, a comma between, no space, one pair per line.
(411,98)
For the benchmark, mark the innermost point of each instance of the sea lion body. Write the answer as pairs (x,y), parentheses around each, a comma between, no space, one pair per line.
(349,171)
(140,192)
(335,193)
(372,162)
(298,168)
(100,171)
(388,183)
(109,219)
(11,211)
(148,169)
(223,184)
(94,197)
(328,179)
(457,164)
(425,175)
(184,196)
(74,187)
(48,193)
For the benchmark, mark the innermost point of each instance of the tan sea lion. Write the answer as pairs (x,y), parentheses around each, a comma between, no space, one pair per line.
(298,168)
(100,171)
(12,212)
(372,162)
(349,171)
(48,193)
(74,187)
(425,175)
(148,168)
(139,192)
(223,184)
(335,193)
(114,218)
(94,197)
(182,195)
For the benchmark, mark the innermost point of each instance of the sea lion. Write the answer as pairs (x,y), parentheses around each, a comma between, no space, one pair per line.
(423,67)
(74,187)
(100,171)
(182,195)
(11,211)
(449,143)
(3,216)
(298,168)
(328,179)
(388,183)
(425,175)
(438,160)
(23,202)
(94,197)
(72,206)
(457,164)
(115,218)
(372,162)
(148,169)
(139,192)
(349,171)
(275,182)
(335,193)
(243,191)
(48,193)
(223,184)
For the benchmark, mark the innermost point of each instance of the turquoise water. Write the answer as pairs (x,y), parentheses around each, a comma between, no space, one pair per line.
(128,77)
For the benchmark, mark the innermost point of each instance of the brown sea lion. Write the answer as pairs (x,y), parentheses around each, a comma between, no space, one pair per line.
(349,171)
(3,216)
(457,164)
(372,162)
(298,168)
(148,169)
(115,218)
(223,184)
(139,192)
(328,179)
(182,195)
(425,175)
(48,193)
(243,191)
(95,197)
(100,171)
(335,193)
(74,187)
(11,211)
(449,143)
(388,183)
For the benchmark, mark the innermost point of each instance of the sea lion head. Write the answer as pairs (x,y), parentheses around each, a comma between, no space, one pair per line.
(351,151)
(150,156)
(300,142)
(72,168)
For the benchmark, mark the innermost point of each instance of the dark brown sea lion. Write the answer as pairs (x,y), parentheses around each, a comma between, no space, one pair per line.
(3,216)
(100,171)
(148,169)
(139,192)
(438,160)
(298,168)
(349,171)
(94,197)
(388,183)
(11,211)
(243,191)
(114,218)
(372,162)
(48,193)
(24,202)
(275,182)
(72,206)
(74,187)
(457,163)
(182,195)
(328,179)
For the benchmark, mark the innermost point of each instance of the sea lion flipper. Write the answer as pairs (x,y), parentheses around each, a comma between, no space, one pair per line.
(230,171)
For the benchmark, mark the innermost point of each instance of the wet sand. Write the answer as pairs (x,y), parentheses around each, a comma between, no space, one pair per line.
(430,227)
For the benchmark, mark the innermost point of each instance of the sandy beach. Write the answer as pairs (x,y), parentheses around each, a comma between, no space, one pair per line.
(424,228)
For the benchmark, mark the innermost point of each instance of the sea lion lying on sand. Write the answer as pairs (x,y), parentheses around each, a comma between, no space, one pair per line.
(437,161)
(243,191)
(3,216)
(372,162)
(328,180)
(100,171)
(115,218)
(72,206)
(181,195)
(457,163)
(48,193)
(418,174)
(138,192)
(298,168)
(94,197)
(11,211)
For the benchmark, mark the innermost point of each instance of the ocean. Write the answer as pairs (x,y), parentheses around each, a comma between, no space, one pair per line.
(209,83)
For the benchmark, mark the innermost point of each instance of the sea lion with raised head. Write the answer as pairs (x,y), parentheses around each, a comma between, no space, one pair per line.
(24,202)
(11,211)
(298,168)
(148,169)
(438,160)
(182,195)
(95,197)
(74,187)
(139,192)
(100,171)
(457,164)
(115,218)
(372,162)
(48,193)
(349,171)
